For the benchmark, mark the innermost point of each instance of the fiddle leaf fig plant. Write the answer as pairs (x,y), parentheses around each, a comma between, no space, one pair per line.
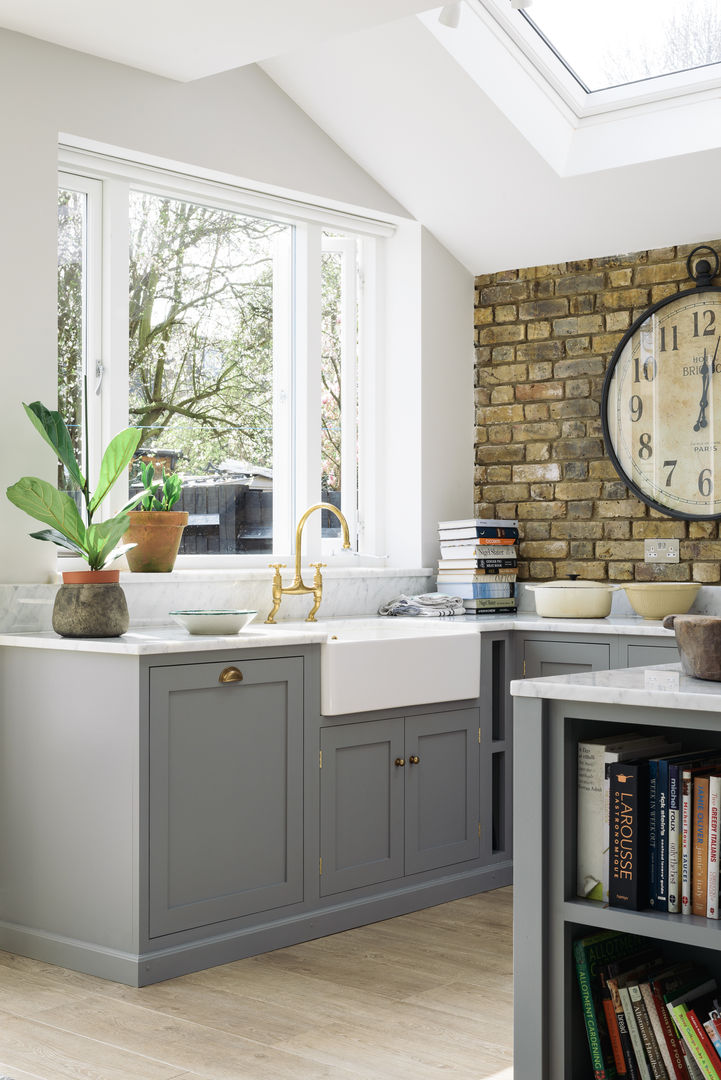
(165,494)
(98,543)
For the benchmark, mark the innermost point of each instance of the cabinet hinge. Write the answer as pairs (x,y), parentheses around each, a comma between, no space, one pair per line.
(320,760)
(320,866)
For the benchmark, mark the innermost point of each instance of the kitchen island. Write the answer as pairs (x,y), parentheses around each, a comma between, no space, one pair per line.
(551,715)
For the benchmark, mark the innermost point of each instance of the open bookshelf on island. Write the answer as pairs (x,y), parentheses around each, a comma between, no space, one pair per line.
(550,1041)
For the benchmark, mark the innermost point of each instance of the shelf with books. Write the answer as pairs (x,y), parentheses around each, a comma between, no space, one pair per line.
(552,1041)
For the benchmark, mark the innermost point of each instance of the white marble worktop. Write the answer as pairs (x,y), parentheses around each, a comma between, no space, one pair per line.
(660,687)
(149,640)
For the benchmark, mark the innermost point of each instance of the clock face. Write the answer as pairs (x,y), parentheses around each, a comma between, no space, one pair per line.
(662,406)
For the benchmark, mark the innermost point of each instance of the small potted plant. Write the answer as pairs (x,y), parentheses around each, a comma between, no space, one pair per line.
(155,529)
(80,609)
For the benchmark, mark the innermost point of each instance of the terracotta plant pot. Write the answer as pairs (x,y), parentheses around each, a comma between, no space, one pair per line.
(90,603)
(157,534)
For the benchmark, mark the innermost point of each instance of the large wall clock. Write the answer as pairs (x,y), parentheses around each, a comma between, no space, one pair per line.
(661,405)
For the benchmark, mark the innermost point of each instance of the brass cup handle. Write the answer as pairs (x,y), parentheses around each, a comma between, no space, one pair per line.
(414,759)
(400,762)
(230,674)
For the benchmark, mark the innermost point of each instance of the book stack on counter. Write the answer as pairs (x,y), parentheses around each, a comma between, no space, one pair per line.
(647,1016)
(648,824)
(479,563)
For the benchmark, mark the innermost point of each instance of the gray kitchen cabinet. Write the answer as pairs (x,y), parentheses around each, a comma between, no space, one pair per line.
(399,796)
(556,656)
(646,654)
(225,791)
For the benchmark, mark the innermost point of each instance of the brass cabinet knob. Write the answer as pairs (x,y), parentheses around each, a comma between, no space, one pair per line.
(230,674)
(400,762)
(414,759)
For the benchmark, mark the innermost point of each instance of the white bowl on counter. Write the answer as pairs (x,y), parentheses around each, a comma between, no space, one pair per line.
(213,621)
(573,599)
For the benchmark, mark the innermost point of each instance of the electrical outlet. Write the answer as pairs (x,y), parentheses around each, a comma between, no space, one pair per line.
(660,551)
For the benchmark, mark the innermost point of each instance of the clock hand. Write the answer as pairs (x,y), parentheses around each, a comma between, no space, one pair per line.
(704,371)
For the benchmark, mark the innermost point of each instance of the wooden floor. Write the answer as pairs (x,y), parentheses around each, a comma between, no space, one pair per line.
(423,996)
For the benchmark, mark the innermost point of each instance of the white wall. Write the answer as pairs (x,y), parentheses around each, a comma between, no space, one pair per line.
(429,394)
(240,124)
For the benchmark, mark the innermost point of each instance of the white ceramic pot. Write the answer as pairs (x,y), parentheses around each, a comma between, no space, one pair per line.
(573,599)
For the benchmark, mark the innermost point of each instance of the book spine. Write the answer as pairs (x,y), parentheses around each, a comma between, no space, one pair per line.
(712,877)
(692,1041)
(686,834)
(643,1069)
(589,1012)
(658,1031)
(624,1034)
(715,1040)
(652,832)
(676,1055)
(627,879)
(711,1055)
(613,1029)
(699,862)
(589,832)
(674,838)
(661,837)
(648,1037)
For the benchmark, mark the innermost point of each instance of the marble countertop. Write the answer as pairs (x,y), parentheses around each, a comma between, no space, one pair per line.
(148,640)
(661,687)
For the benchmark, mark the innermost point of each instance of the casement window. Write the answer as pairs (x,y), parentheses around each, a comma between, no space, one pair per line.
(239,331)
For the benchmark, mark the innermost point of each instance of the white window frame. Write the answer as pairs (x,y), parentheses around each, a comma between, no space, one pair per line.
(296,360)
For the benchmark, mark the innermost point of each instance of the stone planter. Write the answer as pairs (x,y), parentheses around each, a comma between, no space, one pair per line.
(157,534)
(90,603)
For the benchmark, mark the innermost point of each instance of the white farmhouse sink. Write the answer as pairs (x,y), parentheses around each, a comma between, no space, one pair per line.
(386,664)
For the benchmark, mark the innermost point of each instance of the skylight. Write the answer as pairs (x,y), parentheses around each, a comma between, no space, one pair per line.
(609,43)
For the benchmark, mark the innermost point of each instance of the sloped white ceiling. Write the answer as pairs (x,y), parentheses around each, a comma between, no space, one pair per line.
(184,39)
(473,159)
(396,101)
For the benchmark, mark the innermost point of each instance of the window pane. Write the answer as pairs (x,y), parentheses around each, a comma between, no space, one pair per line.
(614,42)
(330,400)
(201,362)
(72,214)
(339,378)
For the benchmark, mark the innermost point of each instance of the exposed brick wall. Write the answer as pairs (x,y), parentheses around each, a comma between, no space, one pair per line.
(544,337)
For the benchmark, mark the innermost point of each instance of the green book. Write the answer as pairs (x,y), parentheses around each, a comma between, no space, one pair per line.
(591,955)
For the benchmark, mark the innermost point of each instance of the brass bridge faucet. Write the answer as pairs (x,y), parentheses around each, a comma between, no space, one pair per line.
(299,587)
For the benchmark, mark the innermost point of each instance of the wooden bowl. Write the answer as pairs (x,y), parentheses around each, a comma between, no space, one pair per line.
(699,642)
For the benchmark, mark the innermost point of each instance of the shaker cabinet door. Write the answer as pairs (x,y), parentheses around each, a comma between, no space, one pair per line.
(442,789)
(361,804)
(225,791)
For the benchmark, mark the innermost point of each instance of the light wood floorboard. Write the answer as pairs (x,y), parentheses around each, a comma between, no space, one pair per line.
(424,996)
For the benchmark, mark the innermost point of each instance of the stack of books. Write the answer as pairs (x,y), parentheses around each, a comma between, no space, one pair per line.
(649,824)
(646,1015)
(479,563)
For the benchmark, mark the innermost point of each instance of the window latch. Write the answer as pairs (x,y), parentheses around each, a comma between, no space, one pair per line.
(99,374)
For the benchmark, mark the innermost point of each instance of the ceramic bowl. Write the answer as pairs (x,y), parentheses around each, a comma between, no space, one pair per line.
(656,599)
(213,621)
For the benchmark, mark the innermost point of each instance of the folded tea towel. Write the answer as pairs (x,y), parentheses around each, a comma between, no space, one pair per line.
(424,604)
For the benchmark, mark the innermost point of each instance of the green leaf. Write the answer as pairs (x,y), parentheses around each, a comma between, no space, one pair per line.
(54,430)
(41,500)
(62,541)
(103,538)
(133,501)
(116,459)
